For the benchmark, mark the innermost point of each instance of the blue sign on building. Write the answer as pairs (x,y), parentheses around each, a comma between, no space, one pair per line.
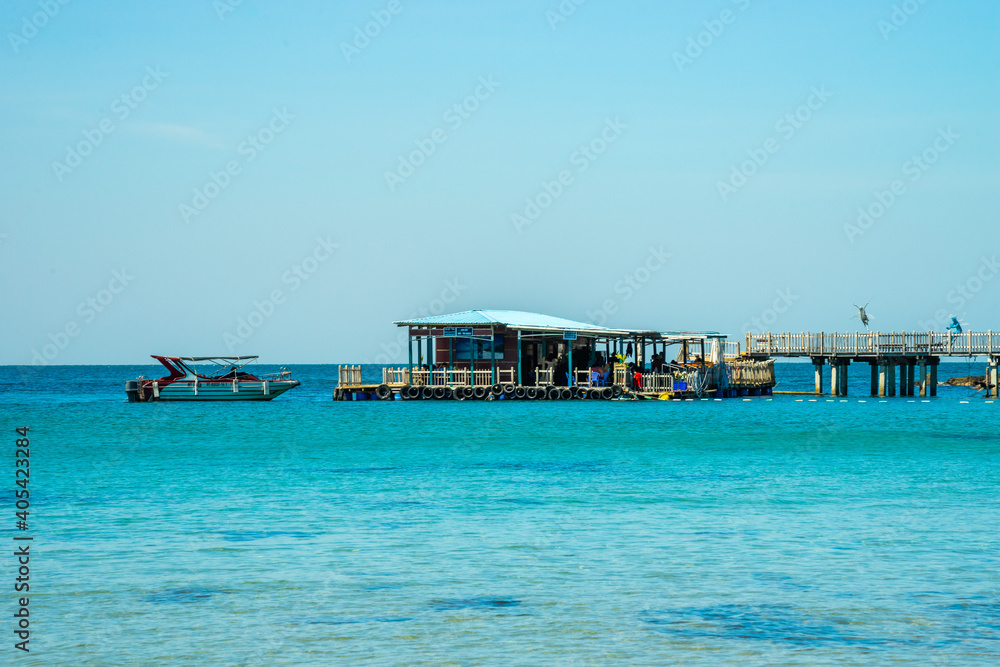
(456,332)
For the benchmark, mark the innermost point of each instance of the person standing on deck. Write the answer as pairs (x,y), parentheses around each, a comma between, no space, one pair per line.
(955,327)
(562,368)
(549,363)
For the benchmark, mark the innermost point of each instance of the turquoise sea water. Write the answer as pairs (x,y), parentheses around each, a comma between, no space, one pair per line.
(303,531)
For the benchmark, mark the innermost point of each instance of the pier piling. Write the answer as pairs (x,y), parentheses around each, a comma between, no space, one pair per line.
(838,376)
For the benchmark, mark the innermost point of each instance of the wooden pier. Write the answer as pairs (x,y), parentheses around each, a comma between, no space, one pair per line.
(736,377)
(511,355)
(916,356)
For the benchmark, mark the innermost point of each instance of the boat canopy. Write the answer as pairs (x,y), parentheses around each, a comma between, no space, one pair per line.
(182,368)
(222,359)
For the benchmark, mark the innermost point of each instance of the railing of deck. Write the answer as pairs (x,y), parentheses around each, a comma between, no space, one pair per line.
(458,377)
(438,377)
(751,373)
(588,378)
(395,376)
(656,382)
(874,344)
(544,376)
(731,349)
(347,375)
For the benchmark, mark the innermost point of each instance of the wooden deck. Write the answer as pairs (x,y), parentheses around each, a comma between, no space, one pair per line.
(741,377)
(872,345)
(913,357)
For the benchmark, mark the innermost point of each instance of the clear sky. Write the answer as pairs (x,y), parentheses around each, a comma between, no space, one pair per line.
(168,169)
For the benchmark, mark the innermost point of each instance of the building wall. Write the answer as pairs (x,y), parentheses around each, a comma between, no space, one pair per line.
(509,349)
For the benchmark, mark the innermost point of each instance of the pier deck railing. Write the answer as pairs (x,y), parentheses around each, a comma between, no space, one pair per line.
(749,373)
(656,382)
(348,375)
(395,376)
(438,377)
(587,378)
(873,344)
(458,377)
(739,373)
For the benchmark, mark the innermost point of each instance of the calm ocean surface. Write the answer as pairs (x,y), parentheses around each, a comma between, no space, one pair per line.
(303,531)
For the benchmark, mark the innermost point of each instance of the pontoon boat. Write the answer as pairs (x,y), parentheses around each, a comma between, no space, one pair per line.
(228,383)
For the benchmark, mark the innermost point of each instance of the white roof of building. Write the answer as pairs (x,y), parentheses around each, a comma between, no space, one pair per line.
(514,319)
(519,319)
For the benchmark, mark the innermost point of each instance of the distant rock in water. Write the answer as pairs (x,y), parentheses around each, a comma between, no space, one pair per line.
(977,381)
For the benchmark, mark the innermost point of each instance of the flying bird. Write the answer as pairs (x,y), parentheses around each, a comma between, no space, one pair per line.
(863,315)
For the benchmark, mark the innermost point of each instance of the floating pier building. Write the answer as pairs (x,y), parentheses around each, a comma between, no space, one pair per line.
(511,355)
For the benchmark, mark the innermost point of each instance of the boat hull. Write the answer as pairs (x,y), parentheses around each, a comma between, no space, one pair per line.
(184,390)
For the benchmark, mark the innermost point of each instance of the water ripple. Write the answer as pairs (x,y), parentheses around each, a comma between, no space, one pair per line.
(473,603)
(183,595)
(774,623)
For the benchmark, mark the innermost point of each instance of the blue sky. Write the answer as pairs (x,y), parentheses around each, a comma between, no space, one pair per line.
(245,170)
